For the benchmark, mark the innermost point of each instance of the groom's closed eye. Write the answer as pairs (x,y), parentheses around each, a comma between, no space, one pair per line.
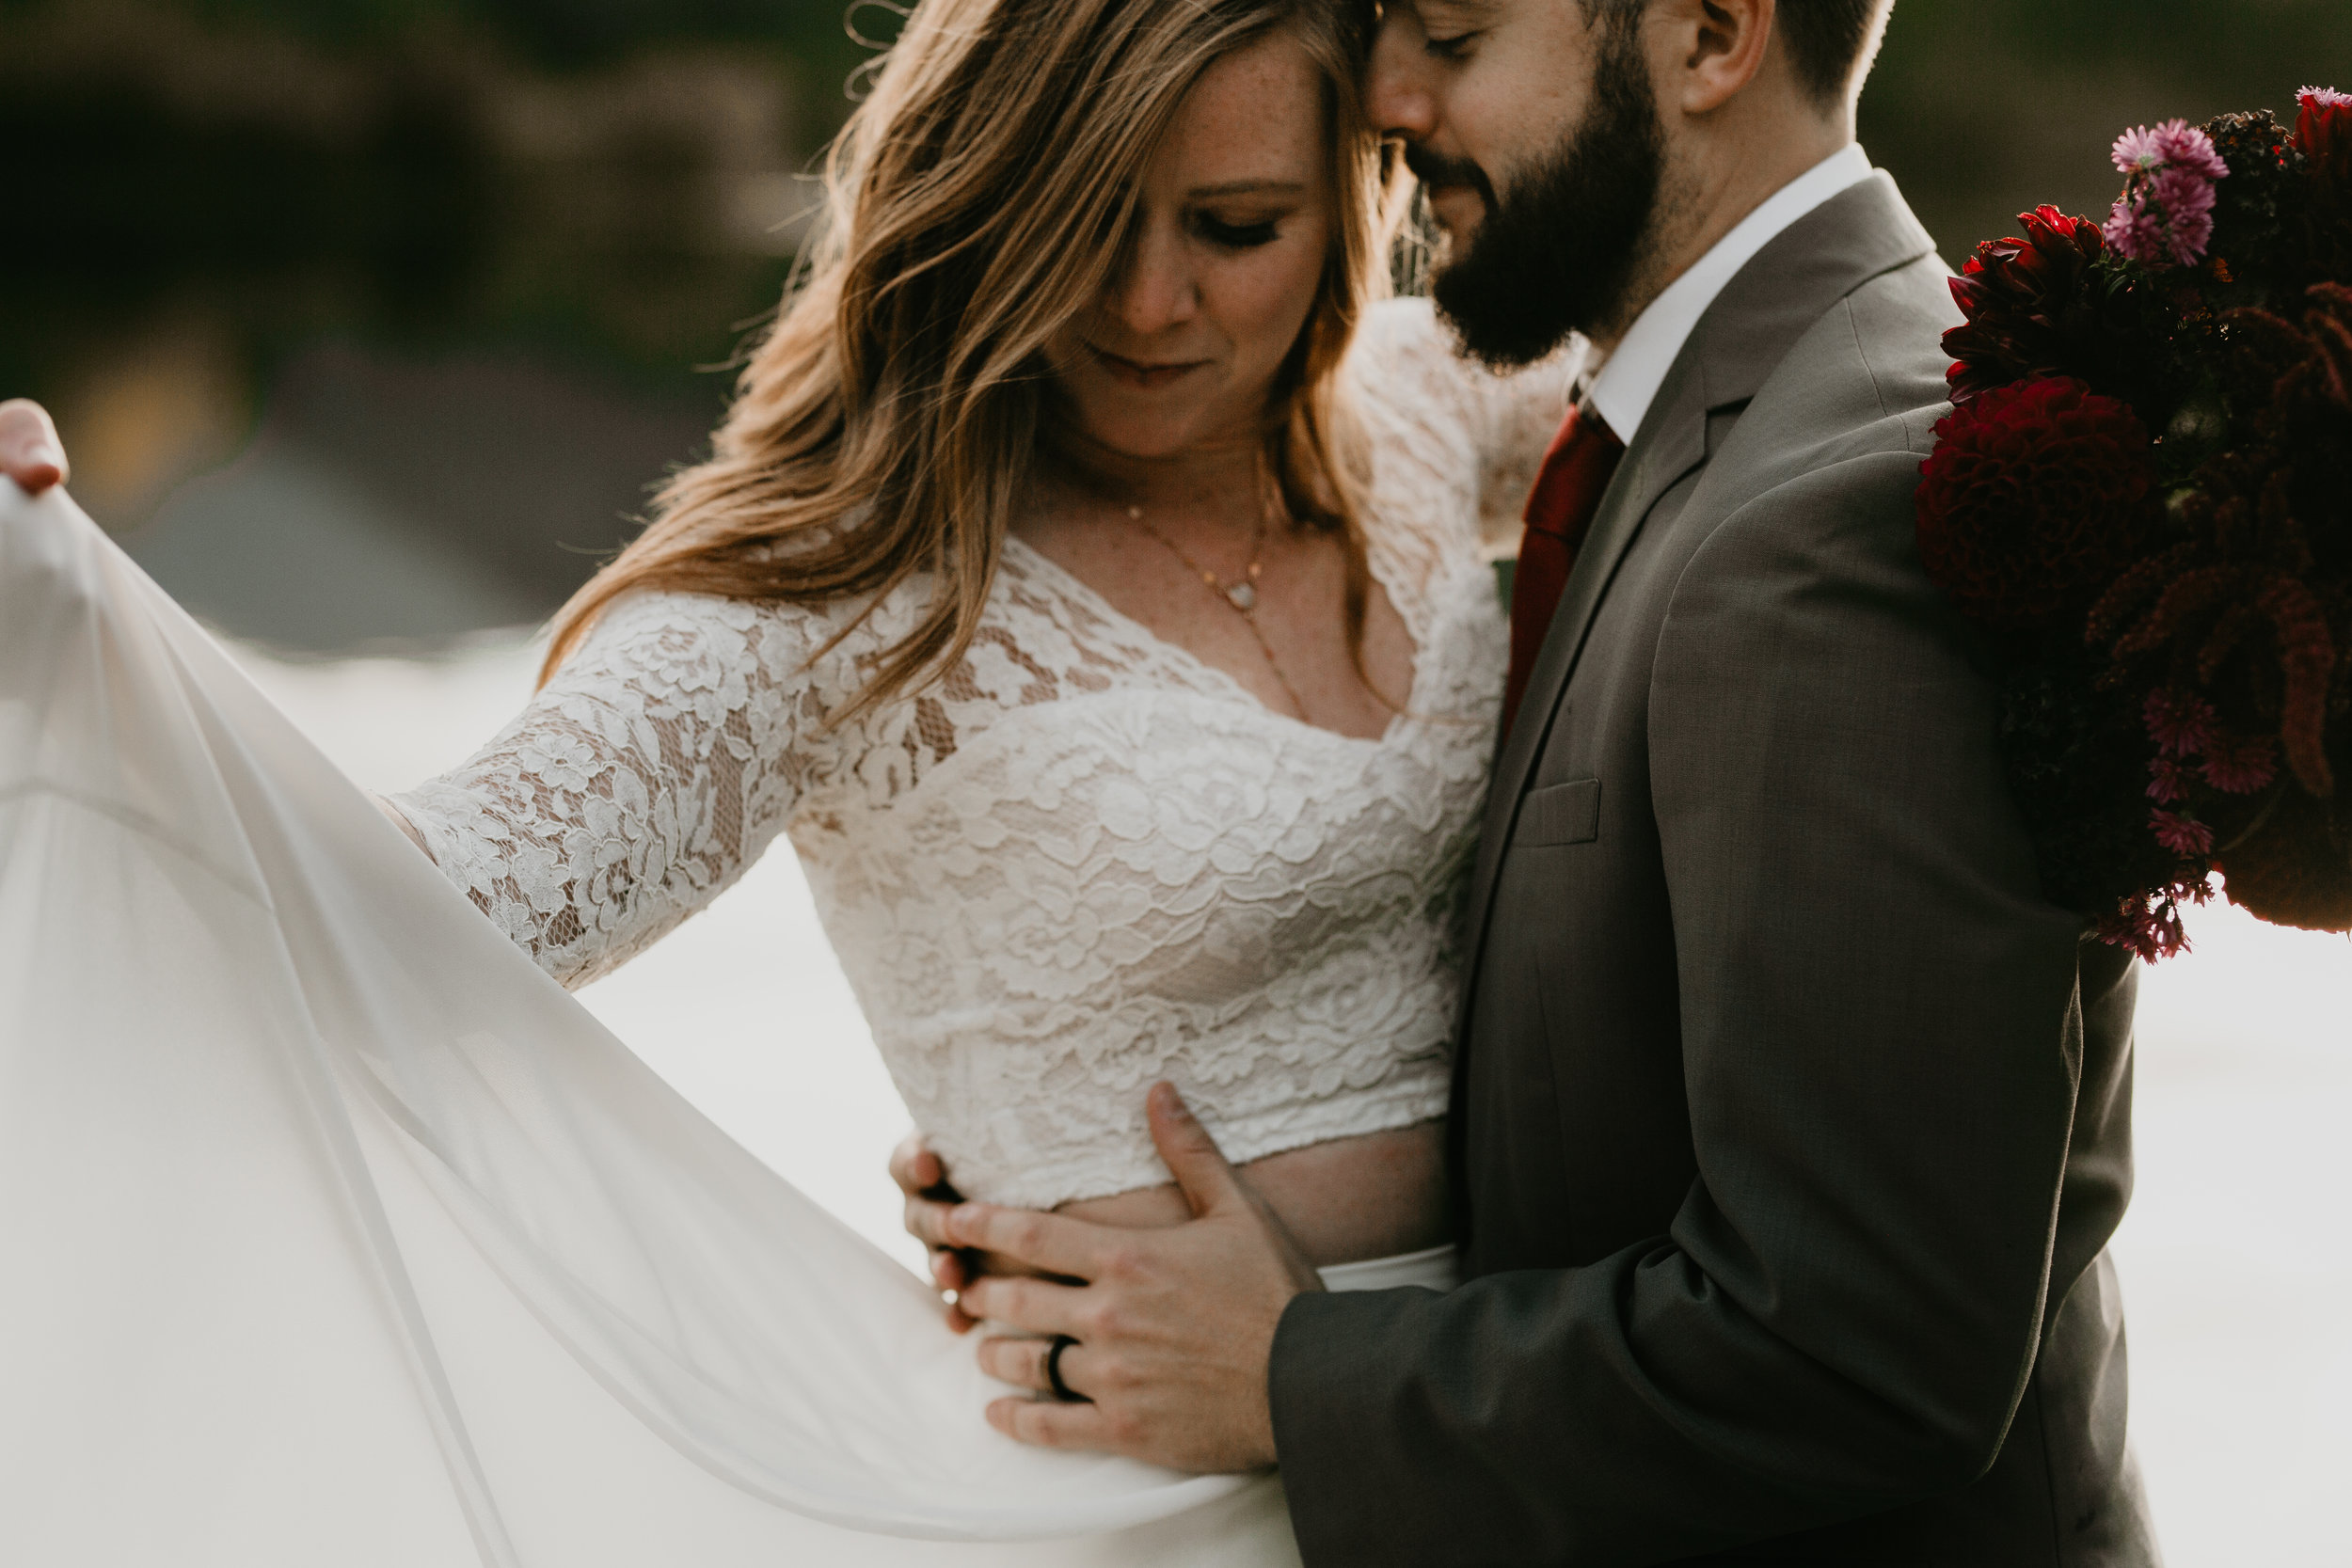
(1452,49)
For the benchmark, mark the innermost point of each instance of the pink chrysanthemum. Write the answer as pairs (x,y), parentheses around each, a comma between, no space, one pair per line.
(2180,724)
(2165,214)
(2167,780)
(2181,833)
(2242,763)
(2174,145)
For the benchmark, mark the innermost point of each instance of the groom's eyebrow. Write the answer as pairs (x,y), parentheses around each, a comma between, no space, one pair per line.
(1247,187)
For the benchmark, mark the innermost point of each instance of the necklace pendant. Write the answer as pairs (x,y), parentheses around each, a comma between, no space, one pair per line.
(1244,596)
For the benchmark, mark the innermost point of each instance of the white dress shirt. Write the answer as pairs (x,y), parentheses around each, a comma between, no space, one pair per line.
(1629,382)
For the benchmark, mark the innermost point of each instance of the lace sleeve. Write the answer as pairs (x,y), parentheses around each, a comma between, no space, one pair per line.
(640,784)
(1411,361)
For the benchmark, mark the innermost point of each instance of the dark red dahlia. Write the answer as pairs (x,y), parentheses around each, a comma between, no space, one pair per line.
(2030,303)
(2323,131)
(2038,497)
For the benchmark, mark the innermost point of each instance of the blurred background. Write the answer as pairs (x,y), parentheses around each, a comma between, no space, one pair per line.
(430,291)
(370,323)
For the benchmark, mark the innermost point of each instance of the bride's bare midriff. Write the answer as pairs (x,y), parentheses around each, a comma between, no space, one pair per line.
(1347,1200)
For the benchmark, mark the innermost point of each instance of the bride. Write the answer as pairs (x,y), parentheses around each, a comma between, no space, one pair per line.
(1087,581)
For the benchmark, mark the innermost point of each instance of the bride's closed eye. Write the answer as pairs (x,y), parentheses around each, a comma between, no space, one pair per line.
(1455,49)
(1234,236)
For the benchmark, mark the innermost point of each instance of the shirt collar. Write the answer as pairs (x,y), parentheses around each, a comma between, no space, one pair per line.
(1629,382)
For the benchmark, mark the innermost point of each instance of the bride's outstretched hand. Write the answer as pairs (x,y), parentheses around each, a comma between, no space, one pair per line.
(30,452)
(1170,1330)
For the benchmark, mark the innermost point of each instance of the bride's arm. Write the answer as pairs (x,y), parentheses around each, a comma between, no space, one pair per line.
(400,819)
(640,784)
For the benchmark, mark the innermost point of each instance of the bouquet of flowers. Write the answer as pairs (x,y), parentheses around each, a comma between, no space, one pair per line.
(2143,495)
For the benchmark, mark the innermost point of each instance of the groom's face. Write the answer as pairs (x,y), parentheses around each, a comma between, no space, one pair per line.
(1537,137)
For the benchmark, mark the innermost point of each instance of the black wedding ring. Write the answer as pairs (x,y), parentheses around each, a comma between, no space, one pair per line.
(1062,1391)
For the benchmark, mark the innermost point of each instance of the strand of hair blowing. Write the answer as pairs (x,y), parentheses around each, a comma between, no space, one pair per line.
(975,203)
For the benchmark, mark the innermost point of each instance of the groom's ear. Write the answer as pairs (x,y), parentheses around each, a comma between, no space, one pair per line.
(1717,48)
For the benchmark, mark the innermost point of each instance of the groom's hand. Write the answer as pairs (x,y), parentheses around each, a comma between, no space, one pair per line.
(30,452)
(1173,1327)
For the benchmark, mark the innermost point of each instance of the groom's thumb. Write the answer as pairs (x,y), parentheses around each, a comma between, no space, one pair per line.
(1193,1158)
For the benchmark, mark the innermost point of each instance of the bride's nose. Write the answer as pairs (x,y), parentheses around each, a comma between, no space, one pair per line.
(1155,287)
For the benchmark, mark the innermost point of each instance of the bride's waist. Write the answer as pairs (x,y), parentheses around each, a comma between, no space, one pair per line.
(1348,1200)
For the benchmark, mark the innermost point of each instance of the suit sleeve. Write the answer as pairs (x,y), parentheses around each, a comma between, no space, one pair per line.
(1881,1041)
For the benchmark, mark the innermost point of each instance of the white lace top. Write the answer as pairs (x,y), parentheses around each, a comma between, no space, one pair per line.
(1084,861)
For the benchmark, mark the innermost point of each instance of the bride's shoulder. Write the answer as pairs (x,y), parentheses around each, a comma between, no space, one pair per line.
(1402,354)
(1408,369)
(671,646)
(1443,425)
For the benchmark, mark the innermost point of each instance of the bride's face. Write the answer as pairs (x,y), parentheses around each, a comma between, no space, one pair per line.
(1232,224)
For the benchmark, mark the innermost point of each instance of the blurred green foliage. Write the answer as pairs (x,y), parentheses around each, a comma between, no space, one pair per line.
(604,176)
(555,33)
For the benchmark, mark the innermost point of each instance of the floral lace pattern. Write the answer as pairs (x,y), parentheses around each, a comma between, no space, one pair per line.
(1084,860)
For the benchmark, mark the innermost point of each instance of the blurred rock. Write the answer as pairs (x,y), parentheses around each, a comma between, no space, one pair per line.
(390,503)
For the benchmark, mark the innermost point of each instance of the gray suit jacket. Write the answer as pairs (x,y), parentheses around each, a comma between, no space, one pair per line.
(1790,1122)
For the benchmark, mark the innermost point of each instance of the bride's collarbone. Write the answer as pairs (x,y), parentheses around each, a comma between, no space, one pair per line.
(1285,642)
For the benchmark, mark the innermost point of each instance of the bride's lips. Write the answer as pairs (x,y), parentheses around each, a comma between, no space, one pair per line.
(1135,374)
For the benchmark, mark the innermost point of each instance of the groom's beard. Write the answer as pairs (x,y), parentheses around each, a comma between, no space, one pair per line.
(1560,253)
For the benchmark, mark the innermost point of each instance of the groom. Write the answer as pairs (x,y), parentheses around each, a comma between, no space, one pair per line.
(1790,1122)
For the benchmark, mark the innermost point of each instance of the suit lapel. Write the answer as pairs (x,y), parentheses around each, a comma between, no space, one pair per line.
(1671,442)
(1774,301)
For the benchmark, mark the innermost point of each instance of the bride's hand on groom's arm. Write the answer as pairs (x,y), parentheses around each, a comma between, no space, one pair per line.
(1172,1329)
(30,452)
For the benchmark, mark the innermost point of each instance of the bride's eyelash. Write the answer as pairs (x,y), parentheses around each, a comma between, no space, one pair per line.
(1234,236)
(1455,47)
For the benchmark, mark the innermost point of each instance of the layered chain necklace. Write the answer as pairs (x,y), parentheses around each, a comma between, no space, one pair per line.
(1240,595)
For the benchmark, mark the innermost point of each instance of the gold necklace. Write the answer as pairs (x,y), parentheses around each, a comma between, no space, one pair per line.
(1241,596)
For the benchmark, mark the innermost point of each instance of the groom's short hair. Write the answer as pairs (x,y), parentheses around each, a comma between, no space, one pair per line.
(1828,40)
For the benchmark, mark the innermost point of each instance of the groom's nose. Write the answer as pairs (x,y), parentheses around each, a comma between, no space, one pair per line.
(1400,95)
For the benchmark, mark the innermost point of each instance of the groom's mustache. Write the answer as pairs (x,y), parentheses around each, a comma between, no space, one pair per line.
(1435,168)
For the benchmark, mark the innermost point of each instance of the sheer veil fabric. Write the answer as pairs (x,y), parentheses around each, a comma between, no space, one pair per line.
(338,1233)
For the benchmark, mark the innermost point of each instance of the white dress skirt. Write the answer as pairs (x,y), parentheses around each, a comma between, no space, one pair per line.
(336,1233)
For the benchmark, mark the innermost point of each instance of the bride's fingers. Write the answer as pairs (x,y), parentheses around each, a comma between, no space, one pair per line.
(948,1270)
(30,452)
(927,1222)
(915,1167)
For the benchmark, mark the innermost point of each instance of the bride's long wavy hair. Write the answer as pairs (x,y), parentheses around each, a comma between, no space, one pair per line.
(977,202)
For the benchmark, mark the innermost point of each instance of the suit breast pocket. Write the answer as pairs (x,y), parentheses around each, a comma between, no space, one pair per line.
(1559,814)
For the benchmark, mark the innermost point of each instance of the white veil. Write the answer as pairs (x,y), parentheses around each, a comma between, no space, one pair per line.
(338,1233)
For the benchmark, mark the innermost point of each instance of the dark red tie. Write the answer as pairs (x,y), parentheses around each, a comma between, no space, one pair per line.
(1575,475)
